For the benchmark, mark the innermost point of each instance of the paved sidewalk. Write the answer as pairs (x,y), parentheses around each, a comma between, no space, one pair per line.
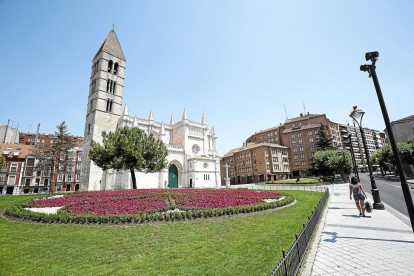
(379,244)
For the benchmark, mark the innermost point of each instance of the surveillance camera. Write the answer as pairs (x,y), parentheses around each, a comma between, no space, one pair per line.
(372,56)
(365,68)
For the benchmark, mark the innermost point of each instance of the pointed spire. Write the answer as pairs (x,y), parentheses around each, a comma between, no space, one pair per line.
(172,120)
(135,123)
(125,113)
(184,115)
(162,131)
(204,119)
(150,116)
(112,46)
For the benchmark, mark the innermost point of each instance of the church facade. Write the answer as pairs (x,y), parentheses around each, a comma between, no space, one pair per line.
(193,160)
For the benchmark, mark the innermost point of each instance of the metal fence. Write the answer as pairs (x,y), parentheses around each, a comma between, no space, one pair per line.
(292,259)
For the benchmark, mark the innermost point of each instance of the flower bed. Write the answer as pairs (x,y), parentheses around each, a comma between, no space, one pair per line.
(148,205)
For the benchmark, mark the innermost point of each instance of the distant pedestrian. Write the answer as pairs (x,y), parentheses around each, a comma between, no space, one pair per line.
(297,180)
(355,189)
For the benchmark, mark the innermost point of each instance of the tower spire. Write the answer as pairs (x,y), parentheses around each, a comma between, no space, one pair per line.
(184,115)
(204,119)
(172,120)
(112,46)
(125,113)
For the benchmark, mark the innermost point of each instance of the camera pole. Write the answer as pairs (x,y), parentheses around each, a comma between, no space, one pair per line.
(404,185)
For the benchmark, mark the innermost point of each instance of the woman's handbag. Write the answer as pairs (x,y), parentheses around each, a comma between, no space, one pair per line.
(368,205)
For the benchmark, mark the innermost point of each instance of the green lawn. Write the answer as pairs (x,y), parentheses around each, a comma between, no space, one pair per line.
(247,244)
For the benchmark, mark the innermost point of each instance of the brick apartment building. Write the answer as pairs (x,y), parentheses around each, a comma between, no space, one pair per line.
(45,139)
(256,162)
(19,175)
(11,174)
(299,135)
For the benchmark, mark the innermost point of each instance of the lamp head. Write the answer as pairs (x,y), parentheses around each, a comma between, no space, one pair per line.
(365,68)
(372,56)
(357,115)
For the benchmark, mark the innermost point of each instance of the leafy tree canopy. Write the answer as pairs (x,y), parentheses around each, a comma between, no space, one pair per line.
(2,162)
(323,139)
(327,161)
(385,157)
(129,149)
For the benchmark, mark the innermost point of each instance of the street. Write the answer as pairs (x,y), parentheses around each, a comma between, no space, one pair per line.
(390,192)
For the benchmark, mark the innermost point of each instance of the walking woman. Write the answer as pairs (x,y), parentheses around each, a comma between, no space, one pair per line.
(355,189)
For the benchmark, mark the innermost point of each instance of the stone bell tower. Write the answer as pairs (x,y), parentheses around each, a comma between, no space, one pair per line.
(104,105)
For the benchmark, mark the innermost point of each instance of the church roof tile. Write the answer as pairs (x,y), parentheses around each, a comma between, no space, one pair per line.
(112,46)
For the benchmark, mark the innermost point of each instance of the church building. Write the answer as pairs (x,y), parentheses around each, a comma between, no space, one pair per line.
(193,161)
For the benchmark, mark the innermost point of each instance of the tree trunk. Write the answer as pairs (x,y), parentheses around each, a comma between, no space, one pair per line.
(134,181)
(382,171)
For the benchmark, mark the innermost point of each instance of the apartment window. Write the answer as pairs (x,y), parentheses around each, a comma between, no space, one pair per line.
(37,181)
(312,147)
(274,152)
(300,142)
(295,149)
(299,134)
(302,155)
(254,154)
(268,167)
(293,136)
(296,164)
(46,182)
(276,139)
(11,180)
(293,143)
(284,152)
(286,167)
(68,177)
(293,125)
(303,163)
(13,167)
(300,148)
(316,131)
(285,159)
(275,132)
(27,182)
(276,166)
(295,156)
(275,159)
(310,140)
(310,133)
(60,177)
(299,124)
(267,159)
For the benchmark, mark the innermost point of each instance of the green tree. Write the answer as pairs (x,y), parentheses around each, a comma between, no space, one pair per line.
(56,157)
(129,149)
(384,157)
(327,162)
(323,139)
(2,162)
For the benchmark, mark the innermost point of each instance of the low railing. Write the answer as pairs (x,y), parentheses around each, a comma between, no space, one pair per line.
(292,259)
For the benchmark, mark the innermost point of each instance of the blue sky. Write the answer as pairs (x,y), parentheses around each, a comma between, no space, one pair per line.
(240,61)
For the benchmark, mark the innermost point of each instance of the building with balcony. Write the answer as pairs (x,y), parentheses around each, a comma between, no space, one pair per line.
(12,173)
(256,162)
(299,136)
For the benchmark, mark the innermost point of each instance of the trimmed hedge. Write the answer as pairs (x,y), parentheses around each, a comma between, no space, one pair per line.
(62,216)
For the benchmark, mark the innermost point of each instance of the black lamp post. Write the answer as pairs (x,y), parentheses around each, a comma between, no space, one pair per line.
(370,68)
(357,115)
(353,155)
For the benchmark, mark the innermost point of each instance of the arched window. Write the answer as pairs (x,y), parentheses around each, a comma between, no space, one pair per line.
(89,129)
(91,107)
(114,90)
(109,106)
(108,82)
(116,68)
(110,66)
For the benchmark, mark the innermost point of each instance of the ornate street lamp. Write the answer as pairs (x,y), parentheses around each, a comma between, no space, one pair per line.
(370,68)
(357,115)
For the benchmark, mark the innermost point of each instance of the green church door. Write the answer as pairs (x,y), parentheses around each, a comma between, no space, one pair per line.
(173,176)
